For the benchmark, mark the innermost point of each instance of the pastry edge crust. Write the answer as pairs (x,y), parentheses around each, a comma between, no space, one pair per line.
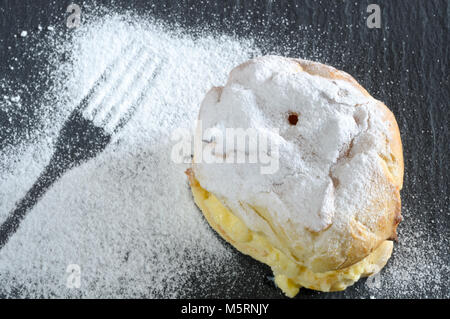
(364,242)
(290,284)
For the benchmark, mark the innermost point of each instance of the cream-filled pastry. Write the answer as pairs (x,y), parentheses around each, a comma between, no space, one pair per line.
(326,213)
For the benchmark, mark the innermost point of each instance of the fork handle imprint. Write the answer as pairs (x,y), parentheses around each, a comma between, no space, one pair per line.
(72,148)
(51,174)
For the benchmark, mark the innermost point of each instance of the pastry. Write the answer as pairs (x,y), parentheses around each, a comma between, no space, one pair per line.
(327,214)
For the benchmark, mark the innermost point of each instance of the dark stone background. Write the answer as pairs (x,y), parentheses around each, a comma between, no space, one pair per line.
(404,63)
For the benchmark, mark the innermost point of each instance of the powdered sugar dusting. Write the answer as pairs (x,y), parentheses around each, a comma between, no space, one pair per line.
(315,154)
(126,218)
(119,215)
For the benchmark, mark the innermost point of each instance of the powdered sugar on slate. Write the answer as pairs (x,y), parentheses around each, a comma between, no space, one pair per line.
(127,217)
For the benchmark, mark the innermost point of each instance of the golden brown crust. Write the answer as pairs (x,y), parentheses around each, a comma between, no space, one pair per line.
(326,71)
(365,240)
(395,142)
(289,275)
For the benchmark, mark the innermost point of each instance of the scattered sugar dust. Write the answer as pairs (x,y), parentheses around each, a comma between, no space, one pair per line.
(127,218)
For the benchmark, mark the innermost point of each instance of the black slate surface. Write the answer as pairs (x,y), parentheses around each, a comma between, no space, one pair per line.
(404,63)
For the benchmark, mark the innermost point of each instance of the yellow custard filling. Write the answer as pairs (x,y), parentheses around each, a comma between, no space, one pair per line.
(289,275)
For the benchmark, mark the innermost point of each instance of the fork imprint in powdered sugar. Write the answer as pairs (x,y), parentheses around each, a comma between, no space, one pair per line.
(106,108)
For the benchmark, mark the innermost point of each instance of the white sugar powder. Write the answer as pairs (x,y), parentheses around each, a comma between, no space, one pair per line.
(127,217)
(260,95)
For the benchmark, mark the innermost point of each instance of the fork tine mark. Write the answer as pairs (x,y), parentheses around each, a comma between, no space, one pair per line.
(124,120)
(122,86)
(133,86)
(79,140)
(85,101)
(110,86)
(111,76)
(115,85)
